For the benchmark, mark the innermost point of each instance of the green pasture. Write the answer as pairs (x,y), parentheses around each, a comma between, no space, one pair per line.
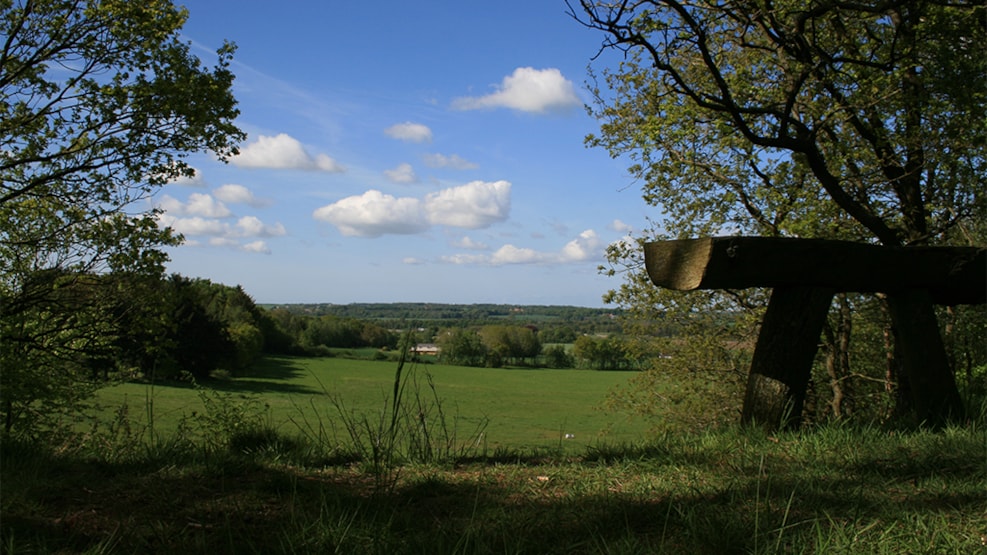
(515,408)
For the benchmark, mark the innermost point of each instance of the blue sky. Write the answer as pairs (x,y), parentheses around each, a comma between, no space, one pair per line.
(404,151)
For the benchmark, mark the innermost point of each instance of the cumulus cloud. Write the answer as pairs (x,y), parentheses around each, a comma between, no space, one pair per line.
(527,90)
(198,204)
(587,246)
(404,173)
(251,226)
(238,194)
(194,225)
(373,214)
(475,205)
(410,132)
(453,161)
(245,227)
(283,152)
(204,216)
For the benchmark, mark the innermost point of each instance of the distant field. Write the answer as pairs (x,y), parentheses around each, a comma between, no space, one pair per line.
(525,408)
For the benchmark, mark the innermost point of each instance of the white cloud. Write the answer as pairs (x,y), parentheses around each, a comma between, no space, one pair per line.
(283,152)
(223,242)
(453,161)
(587,246)
(527,90)
(238,194)
(201,204)
(404,173)
(259,247)
(195,181)
(251,226)
(373,214)
(472,206)
(170,204)
(509,254)
(470,244)
(245,227)
(195,225)
(466,259)
(198,204)
(410,132)
(203,216)
(620,227)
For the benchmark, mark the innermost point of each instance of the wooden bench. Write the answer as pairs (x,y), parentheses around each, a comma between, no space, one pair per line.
(804,275)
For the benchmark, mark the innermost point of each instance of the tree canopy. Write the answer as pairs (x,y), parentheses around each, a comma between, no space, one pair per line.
(829,119)
(786,117)
(101,103)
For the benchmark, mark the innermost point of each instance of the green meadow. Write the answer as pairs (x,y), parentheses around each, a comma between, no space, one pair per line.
(516,409)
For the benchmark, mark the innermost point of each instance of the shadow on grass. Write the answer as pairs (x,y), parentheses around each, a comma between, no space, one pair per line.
(664,501)
(270,375)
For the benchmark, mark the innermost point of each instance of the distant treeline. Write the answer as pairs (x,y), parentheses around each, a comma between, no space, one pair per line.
(556,324)
(179,326)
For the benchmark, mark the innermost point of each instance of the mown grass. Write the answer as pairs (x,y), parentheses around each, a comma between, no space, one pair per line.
(252,487)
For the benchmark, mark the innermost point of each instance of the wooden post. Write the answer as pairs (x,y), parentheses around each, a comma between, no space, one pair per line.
(923,358)
(783,356)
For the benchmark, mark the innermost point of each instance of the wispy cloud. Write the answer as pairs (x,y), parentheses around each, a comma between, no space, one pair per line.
(527,90)
(587,246)
(283,152)
(453,161)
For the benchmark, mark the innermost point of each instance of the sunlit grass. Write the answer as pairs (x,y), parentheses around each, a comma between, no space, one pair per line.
(522,408)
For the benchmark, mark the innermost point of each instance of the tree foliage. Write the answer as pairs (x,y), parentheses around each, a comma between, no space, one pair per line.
(851,120)
(100,104)
(462,346)
(783,116)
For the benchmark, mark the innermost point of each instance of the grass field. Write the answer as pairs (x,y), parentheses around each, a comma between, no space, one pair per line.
(827,489)
(516,408)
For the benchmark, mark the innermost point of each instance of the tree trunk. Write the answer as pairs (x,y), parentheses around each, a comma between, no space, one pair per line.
(923,358)
(782,362)
(838,359)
